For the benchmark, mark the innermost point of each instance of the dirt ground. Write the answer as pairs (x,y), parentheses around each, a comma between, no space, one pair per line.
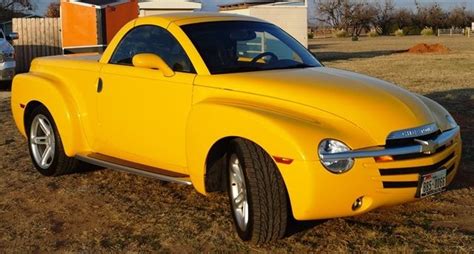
(108,211)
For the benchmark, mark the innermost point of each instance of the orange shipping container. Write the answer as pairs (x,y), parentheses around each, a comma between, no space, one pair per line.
(88,26)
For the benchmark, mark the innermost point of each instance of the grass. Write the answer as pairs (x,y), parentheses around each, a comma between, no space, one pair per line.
(107,211)
(383,57)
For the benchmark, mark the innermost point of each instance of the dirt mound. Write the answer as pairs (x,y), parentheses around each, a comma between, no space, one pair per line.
(427,48)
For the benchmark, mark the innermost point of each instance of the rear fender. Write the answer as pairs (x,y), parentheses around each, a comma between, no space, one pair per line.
(53,94)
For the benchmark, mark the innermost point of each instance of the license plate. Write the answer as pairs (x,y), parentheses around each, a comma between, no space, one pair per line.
(432,183)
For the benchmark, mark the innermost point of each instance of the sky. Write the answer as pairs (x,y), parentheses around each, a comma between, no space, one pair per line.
(211,5)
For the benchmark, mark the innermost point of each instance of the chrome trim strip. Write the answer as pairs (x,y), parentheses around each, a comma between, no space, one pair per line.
(441,140)
(413,132)
(127,169)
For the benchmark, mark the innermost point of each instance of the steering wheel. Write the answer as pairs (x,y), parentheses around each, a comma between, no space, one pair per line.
(272,56)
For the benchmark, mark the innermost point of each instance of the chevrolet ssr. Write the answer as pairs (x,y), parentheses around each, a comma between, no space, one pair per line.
(233,103)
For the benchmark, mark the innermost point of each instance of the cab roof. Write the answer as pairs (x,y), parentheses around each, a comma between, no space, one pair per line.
(198,17)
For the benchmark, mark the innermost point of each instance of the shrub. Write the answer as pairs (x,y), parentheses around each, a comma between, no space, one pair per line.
(355,38)
(373,34)
(427,31)
(399,32)
(340,33)
(310,35)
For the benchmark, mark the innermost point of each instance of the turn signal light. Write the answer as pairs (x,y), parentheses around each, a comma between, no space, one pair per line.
(283,160)
(385,158)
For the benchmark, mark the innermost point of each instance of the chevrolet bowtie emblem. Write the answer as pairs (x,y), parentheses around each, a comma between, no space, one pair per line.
(427,146)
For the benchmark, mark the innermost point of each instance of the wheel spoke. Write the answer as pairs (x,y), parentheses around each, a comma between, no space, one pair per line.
(237,172)
(46,155)
(44,126)
(239,199)
(40,140)
(235,168)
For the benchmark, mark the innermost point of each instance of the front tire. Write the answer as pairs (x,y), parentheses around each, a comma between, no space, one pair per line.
(257,193)
(45,145)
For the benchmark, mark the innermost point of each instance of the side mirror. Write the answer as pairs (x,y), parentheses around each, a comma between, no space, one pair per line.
(152,61)
(12,36)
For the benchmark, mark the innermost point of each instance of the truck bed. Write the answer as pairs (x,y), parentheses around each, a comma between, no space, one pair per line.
(86,62)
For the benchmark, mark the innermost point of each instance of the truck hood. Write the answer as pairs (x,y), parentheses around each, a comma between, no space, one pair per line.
(5,47)
(376,106)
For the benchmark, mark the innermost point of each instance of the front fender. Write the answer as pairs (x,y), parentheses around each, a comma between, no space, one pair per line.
(53,94)
(278,134)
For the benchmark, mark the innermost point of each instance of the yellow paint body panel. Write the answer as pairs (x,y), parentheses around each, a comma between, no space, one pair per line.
(172,122)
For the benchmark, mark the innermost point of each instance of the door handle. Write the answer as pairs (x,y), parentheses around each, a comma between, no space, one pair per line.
(99,85)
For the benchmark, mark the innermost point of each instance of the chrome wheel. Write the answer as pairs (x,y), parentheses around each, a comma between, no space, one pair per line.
(42,141)
(238,193)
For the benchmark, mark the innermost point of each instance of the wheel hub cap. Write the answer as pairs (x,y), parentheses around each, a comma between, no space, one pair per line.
(238,193)
(42,141)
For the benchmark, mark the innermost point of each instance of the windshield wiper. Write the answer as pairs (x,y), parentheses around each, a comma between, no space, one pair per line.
(253,68)
(236,70)
(296,66)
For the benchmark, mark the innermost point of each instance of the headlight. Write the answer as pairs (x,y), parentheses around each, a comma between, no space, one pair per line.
(334,146)
(452,123)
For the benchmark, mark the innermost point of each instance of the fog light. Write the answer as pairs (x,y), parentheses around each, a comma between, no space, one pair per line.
(357,204)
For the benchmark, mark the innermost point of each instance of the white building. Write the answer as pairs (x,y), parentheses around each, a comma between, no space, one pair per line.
(164,6)
(291,16)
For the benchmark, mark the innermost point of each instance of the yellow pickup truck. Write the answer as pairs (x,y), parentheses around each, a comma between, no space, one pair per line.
(233,103)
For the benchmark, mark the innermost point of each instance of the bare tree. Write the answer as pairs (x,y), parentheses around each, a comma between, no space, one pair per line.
(53,10)
(351,15)
(14,8)
(430,16)
(385,16)
(355,16)
(459,17)
(361,15)
(403,18)
(331,12)
(10,4)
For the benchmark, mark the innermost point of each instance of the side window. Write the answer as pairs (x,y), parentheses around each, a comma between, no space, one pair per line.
(152,39)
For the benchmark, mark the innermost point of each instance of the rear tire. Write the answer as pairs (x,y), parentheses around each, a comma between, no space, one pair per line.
(45,145)
(257,193)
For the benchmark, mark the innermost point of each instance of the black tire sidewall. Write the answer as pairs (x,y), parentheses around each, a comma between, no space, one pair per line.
(52,169)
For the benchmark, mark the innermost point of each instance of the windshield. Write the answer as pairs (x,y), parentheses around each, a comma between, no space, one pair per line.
(240,46)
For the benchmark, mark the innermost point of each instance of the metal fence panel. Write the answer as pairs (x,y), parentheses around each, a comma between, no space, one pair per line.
(37,37)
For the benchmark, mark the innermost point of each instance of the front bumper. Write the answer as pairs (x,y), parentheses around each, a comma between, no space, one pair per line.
(315,193)
(7,70)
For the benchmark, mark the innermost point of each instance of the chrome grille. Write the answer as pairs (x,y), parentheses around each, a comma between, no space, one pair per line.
(420,170)
(9,56)
(408,137)
(414,132)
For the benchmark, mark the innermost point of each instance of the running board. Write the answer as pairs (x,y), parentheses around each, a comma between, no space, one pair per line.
(134,168)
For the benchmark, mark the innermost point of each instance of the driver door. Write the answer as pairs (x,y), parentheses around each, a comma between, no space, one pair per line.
(142,113)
